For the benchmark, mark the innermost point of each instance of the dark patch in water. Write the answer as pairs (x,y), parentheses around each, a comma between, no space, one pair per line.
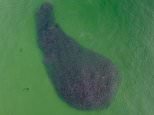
(81,77)
(20,50)
(26,89)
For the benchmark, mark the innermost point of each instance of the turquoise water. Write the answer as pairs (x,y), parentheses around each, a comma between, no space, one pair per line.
(122,30)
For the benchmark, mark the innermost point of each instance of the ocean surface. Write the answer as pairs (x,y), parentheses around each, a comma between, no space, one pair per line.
(121,30)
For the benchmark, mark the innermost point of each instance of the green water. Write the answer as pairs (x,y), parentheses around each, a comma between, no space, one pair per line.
(122,30)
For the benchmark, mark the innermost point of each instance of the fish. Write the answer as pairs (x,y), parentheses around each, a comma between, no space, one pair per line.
(82,78)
